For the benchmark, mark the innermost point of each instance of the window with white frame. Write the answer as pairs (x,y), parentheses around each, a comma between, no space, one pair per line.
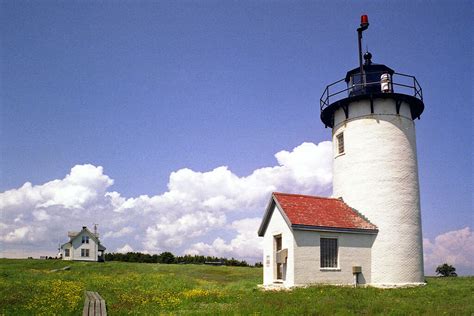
(329,253)
(66,252)
(340,143)
(84,252)
(85,239)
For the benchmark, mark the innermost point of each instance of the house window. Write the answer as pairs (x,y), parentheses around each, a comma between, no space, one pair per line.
(84,252)
(328,253)
(66,252)
(340,143)
(85,239)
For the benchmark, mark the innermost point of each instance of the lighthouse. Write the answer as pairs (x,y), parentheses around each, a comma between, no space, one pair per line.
(372,113)
(369,231)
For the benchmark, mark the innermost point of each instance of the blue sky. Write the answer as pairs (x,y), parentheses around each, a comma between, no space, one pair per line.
(147,88)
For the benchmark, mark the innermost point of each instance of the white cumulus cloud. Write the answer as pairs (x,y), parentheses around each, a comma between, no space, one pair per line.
(190,213)
(454,247)
(83,186)
(120,233)
(246,244)
(33,214)
(18,234)
(126,248)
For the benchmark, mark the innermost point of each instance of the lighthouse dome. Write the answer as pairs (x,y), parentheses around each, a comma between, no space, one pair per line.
(369,81)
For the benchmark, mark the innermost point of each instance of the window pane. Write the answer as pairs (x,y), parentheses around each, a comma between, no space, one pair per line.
(328,253)
(340,143)
(278,243)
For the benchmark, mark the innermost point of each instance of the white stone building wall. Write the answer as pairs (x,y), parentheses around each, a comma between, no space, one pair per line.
(378,175)
(277,226)
(63,252)
(353,250)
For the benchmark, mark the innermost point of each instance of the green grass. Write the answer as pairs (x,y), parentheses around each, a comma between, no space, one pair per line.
(29,287)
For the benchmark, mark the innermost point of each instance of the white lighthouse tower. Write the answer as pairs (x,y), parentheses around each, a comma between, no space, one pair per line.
(371,112)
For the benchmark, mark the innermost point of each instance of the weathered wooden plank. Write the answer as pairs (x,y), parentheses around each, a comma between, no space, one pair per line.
(94,305)
(98,302)
(90,295)
(85,311)
(103,310)
(91,308)
(93,296)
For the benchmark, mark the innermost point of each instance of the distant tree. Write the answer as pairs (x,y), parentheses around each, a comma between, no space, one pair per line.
(258,265)
(446,270)
(167,257)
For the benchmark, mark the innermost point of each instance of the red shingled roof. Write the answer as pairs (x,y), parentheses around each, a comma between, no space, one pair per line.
(320,211)
(305,211)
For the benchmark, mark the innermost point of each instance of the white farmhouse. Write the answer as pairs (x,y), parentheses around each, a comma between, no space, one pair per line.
(311,239)
(83,246)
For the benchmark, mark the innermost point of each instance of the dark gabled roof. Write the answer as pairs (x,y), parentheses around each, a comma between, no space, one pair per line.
(307,212)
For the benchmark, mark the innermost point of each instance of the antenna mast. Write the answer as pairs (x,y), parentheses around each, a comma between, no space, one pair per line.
(364,25)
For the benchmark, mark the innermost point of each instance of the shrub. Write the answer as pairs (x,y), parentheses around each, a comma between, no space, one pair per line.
(446,270)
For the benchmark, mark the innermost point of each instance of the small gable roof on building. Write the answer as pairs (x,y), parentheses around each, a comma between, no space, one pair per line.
(305,212)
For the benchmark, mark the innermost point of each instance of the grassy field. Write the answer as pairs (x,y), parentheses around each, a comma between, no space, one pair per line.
(29,287)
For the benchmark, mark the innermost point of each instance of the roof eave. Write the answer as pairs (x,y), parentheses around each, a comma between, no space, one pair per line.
(268,214)
(67,243)
(266,217)
(335,229)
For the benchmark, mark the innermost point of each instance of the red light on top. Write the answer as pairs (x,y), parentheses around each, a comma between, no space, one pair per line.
(364,19)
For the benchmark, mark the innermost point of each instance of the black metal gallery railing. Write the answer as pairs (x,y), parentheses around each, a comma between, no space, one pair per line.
(371,83)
